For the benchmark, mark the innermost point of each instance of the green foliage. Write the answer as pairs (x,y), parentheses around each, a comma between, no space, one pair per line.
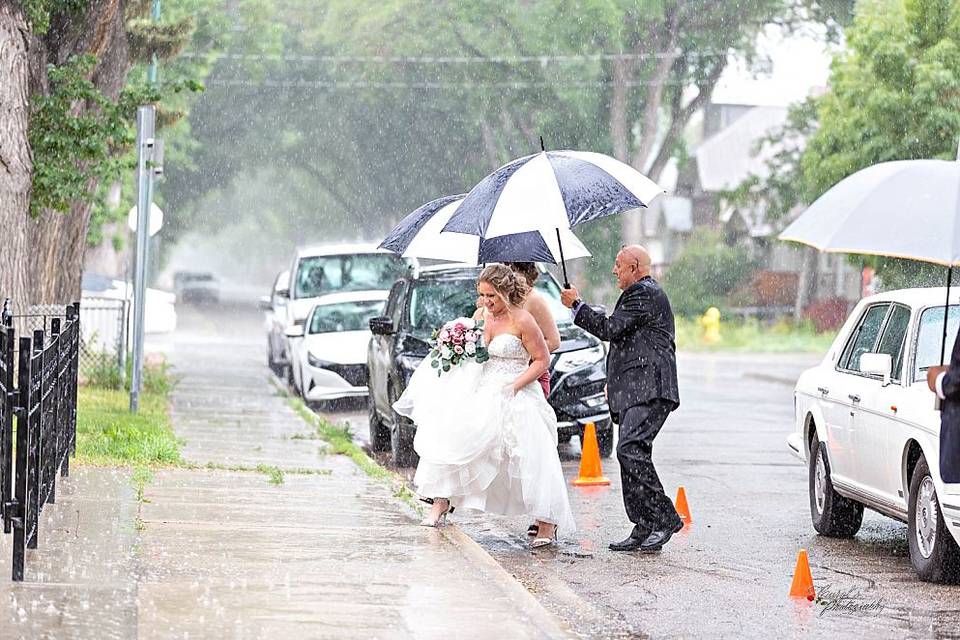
(103,373)
(706,270)
(40,12)
(894,95)
(398,102)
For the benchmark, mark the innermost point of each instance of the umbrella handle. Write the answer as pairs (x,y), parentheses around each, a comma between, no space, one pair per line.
(946,314)
(563,263)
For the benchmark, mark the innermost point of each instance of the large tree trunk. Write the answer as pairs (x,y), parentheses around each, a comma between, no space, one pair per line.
(16,165)
(59,240)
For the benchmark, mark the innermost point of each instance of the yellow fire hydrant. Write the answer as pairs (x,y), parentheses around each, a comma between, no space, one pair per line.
(710,321)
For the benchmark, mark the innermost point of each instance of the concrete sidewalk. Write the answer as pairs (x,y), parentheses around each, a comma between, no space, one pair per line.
(226,553)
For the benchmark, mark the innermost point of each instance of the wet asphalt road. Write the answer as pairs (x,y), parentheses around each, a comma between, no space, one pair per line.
(727,574)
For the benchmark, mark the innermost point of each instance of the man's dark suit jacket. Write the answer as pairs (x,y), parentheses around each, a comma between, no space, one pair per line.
(642,362)
(950,419)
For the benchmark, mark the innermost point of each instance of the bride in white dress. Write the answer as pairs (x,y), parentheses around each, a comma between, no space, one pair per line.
(486,437)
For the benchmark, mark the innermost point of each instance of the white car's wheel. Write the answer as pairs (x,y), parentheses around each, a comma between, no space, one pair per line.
(933,551)
(832,514)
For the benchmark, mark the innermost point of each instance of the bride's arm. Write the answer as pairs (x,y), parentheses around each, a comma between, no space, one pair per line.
(536,346)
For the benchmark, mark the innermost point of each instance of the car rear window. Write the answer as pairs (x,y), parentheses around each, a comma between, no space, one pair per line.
(930,337)
(345,316)
(364,272)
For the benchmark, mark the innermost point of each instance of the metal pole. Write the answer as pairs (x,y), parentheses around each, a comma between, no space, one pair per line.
(145,123)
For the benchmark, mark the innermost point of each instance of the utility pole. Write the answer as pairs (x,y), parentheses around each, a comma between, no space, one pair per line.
(146,153)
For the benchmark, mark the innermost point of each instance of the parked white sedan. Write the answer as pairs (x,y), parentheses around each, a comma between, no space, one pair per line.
(866,424)
(330,349)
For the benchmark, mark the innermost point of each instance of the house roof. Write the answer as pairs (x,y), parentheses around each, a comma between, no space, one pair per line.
(727,158)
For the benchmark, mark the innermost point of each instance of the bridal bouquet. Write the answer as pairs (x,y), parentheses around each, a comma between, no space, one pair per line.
(456,341)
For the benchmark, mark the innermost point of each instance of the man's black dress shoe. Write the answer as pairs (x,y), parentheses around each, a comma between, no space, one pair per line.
(632,543)
(657,539)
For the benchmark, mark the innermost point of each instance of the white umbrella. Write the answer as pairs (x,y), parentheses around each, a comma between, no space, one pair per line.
(902,209)
(420,235)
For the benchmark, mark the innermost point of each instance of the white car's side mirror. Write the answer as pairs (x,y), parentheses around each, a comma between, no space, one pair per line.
(878,364)
(296,331)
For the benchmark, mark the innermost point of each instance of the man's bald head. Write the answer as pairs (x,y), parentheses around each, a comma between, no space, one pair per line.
(632,264)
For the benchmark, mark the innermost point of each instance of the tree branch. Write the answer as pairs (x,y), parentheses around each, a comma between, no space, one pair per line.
(681,116)
(327,185)
(651,108)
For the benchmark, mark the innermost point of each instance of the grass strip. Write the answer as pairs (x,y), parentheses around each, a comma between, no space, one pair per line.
(752,336)
(108,434)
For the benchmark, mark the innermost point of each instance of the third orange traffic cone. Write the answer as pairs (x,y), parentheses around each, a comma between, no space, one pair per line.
(683,510)
(802,586)
(591,473)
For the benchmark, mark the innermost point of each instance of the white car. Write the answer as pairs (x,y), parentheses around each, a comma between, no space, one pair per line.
(867,426)
(330,349)
(317,271)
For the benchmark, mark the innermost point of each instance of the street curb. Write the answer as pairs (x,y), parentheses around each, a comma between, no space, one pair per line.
(525,601)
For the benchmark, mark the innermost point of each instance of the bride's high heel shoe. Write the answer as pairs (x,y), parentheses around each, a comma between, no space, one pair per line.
(541,541)
(440,519)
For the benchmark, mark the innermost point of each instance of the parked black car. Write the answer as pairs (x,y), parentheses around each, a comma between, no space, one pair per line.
(425,298)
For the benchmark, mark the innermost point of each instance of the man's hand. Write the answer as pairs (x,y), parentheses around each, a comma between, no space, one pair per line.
(567,296)
(932,374)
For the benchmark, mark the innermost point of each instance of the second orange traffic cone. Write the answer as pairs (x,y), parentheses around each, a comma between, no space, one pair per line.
(683,510)
(802,586)
(591,472)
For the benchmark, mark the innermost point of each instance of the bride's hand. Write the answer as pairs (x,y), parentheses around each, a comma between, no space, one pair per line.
(510,390)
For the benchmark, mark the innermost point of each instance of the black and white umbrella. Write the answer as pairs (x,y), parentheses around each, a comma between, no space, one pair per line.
(420,235)
(551,190)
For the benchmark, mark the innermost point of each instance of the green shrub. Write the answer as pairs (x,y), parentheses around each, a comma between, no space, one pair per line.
(704,272)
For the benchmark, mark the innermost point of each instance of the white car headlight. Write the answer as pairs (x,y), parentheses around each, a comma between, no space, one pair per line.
(575,359)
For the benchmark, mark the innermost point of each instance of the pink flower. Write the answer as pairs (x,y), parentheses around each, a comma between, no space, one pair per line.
(458,349)
(444,335)
(459,327)
(458,339)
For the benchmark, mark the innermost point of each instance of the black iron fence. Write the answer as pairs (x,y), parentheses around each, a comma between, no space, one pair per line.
(38,388)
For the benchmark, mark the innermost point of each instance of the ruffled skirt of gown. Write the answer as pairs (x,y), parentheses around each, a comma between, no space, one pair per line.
(483,448)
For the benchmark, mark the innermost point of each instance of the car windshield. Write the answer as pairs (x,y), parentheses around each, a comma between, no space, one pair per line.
(433,303)
(324,274)
(345,316)
(930,338)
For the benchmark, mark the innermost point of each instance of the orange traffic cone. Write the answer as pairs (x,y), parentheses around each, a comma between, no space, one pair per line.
(683,510)
(591,473)
(802,586)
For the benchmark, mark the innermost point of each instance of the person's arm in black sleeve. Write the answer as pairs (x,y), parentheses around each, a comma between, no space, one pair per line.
(628,315)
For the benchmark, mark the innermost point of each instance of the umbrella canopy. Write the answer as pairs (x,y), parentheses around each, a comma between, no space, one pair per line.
(902,209)
(551,190)
(420,235)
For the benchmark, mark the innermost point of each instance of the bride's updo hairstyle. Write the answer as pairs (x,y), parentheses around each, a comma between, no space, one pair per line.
(510,285)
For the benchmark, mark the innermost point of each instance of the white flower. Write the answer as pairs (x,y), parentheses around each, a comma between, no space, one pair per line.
(445,352)
(470,348)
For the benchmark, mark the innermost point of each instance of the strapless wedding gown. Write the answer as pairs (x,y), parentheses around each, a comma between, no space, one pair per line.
(482,447)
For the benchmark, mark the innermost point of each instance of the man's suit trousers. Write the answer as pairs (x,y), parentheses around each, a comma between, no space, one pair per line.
(648,507)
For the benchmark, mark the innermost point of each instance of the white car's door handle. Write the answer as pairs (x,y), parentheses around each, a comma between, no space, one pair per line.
(854,397)
(823,391)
